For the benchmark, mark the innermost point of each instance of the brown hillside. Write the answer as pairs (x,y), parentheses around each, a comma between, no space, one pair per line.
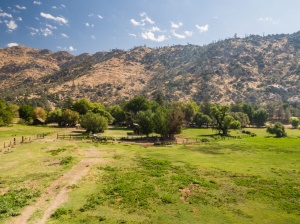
(254,69)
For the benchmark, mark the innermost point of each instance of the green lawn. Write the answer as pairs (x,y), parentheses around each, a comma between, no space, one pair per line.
(248,180)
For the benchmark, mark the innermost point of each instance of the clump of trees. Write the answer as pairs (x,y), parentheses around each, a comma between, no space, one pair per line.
(277,129)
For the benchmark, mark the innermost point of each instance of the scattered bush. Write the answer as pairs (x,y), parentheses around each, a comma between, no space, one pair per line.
(277,129)
(59,212)
(66,160)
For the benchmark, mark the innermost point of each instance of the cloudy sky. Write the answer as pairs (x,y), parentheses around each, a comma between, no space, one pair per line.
(100,25)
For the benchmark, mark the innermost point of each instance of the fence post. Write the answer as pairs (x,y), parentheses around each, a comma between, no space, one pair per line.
(22,139)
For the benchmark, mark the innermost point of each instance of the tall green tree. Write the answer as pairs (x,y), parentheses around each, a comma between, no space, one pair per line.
(104,113)
(201,119)
(82,106)
(174,118)
(260,117)
(190,110)
(39,113)
(222,118)
(145,122)
(6,113)
(69,118)
(55,117)
(160,121)
(137,104)
(26,112)
(94,123)
(117,112)
(241,117)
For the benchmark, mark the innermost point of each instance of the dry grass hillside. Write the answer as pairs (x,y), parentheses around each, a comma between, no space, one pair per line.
(22,65)
(254,69)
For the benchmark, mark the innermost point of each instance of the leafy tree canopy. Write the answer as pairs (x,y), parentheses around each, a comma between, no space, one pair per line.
(277,129)
(94,123)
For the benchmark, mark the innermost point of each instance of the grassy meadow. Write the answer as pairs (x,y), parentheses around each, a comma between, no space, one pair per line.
(247,180)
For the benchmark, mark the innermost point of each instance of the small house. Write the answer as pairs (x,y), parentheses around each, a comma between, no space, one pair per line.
(38,121)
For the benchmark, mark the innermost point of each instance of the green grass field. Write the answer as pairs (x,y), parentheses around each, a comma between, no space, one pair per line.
(248,180)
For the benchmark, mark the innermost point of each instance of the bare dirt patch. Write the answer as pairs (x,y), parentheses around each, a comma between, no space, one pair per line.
(57,193)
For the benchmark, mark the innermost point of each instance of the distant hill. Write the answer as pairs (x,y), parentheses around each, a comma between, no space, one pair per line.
(253,69)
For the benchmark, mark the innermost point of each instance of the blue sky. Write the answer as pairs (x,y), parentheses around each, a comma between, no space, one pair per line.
(80,26)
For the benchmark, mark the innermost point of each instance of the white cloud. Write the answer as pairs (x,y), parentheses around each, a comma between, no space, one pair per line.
(100,17)
(37,3)
(64,35)
(62,5)
(46,32)
(19,19)
(51,27)
(12,44)
(142,14)
(150,36)
(89,25)
(71,48)
(145,19)
(133,35)
(188,33)
(34,31)
(93,37)
(176,25)
(4,14)
(155,29)
(269,20)
(135,23)
(11,25)
(215,17)
(21,7)
(59,19)
(179,36)
(54,7)
(202,29)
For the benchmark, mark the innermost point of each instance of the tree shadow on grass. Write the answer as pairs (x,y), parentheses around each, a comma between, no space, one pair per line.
(212,150)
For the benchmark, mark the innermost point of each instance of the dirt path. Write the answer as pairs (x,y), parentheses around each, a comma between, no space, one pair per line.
(57,193)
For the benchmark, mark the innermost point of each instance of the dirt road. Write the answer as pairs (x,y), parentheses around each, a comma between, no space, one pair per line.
(57,193)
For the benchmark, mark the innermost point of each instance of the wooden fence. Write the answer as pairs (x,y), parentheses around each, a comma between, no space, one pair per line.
(74,136)
(7,145)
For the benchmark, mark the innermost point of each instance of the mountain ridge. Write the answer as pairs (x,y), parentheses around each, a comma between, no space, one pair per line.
(254,69)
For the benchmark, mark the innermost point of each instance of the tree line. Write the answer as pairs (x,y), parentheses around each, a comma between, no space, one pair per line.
(148,116)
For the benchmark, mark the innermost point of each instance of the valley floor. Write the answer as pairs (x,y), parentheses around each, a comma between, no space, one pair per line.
(241,180)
